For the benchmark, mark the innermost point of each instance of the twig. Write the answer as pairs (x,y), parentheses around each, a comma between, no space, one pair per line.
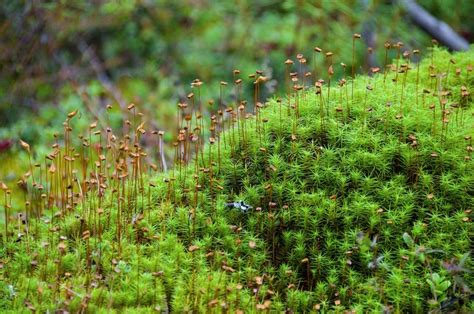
(436,28)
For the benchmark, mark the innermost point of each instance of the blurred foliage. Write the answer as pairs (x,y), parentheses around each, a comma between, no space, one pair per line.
(149,51)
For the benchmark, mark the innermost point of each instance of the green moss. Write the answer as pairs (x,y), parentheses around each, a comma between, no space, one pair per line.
(351,215)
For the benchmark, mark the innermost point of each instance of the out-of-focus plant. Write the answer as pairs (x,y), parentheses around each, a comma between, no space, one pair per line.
(151,51)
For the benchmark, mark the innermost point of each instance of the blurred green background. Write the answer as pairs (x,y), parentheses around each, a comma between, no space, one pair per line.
(58,56)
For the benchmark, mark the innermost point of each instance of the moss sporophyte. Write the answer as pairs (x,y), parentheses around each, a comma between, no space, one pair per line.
(313,201)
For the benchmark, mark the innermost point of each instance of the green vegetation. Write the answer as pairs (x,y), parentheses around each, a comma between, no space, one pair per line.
(60,56)
(361,195)
(151,50)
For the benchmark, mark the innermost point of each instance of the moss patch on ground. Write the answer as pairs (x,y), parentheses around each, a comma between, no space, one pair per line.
(360,198)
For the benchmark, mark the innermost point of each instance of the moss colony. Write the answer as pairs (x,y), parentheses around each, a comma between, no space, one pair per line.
(356,195)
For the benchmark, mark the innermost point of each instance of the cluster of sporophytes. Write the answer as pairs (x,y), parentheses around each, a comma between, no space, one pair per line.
(349,195)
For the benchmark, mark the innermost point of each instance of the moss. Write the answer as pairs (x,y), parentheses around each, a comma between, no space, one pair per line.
(353,209)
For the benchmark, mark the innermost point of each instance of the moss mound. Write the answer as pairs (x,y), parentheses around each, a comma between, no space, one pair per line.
(336,198)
